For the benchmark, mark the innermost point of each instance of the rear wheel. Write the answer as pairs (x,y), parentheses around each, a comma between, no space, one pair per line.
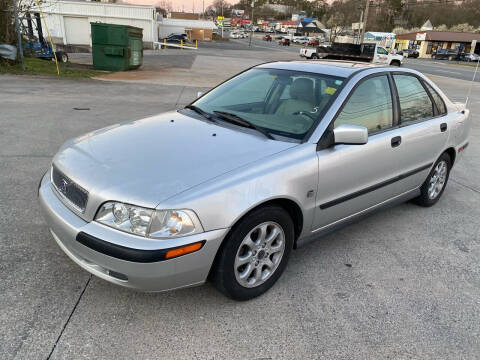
(314,56)
(433,187)
(254,254)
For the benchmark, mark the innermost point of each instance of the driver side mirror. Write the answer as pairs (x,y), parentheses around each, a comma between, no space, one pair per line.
(350,134)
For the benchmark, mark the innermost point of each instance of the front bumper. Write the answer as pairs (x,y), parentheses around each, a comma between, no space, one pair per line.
(188,270)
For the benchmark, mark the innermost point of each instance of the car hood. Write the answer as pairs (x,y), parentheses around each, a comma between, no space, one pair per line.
(147,161)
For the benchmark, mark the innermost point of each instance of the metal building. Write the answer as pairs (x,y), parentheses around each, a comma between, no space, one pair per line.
(69,21)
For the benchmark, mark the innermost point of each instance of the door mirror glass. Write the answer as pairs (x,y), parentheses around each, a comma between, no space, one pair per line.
(350,134)
(199,94)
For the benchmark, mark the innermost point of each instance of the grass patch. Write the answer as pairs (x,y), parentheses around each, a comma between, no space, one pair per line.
(34,66)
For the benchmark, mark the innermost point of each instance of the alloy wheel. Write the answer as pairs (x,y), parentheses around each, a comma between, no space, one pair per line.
(437,180)
(259,254)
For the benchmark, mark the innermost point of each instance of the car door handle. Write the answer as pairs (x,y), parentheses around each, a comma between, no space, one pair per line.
(443,127)
(396,141)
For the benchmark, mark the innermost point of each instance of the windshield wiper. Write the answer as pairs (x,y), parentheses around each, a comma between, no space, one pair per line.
(200,111)
(237,120)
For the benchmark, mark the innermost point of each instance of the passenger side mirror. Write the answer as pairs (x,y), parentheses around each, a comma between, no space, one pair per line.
(350,134)
(199,94)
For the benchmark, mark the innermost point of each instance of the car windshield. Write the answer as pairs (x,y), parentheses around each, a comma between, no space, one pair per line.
(282,102)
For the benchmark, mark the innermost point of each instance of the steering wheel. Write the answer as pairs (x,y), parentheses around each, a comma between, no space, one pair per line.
(307,114)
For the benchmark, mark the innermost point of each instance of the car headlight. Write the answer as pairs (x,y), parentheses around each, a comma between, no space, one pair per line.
(148,222)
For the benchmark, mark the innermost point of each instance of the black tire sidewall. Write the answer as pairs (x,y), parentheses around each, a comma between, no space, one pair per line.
(423,199)
(224,277)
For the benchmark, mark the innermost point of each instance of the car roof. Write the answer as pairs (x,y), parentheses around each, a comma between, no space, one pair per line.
(338,68)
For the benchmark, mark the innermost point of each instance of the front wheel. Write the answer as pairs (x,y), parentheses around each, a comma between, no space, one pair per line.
(314,56)
(433,187)
(254,254)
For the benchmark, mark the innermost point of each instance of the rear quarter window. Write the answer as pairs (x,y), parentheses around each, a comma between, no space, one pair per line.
(442,109)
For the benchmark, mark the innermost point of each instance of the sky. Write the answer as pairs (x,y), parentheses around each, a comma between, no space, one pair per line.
(187,5)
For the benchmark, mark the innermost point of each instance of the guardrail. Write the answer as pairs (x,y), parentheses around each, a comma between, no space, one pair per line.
(165,44)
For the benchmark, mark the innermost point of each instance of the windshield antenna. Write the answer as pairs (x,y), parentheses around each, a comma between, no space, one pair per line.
(471,84)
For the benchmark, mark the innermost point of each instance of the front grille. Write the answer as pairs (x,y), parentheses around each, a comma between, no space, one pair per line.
(69,190)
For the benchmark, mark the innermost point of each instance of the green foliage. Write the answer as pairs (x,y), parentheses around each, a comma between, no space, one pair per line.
(36,66)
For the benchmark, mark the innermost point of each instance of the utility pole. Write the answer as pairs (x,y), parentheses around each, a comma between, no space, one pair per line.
(365,19)
(203,7)
(361,26)
(19,35)
(251,24)
(223,19)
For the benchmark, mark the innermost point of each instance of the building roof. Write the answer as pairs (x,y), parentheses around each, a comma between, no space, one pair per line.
(201,24)
(441,36)
(427,26)
(380,34)
(290,22)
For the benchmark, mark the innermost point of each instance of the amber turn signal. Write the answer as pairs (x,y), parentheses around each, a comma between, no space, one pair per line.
(187,249)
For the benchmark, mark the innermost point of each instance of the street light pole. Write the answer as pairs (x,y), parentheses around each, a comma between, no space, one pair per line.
(223,20)
(365,18)
(19,36)
(251,24)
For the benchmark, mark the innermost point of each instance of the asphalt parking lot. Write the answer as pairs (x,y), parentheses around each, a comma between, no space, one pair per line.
(404,283)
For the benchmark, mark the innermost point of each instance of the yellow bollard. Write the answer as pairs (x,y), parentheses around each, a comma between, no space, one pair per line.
(164,43)
(181,44)
(196,44)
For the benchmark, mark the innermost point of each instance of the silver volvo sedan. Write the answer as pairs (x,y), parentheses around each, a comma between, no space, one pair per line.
(225,188)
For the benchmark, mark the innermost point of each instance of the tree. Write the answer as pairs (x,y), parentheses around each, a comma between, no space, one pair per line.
(463,28)
(7,23)
(340,15)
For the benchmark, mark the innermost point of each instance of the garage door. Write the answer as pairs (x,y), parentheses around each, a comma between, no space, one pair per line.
(77,30)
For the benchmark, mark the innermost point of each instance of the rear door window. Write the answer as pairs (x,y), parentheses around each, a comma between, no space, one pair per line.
(415,104)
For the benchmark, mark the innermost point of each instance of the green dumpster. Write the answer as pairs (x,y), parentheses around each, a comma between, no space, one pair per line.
(116,47)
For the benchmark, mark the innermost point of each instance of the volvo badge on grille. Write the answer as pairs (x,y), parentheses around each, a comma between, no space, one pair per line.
(63,186)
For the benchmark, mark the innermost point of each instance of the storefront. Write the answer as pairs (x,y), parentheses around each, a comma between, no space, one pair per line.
(427,42)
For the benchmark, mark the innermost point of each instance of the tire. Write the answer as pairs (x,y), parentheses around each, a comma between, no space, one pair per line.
(395,63)
(427,197)
(314,56)
(62,56)
(241,268)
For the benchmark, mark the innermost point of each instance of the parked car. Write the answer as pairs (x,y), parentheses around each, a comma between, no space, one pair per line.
(227,187)
(409,53)
(300,40)
(469,57)
(267,38)
(446,54)
(176,38)
(313,42)
(284,42)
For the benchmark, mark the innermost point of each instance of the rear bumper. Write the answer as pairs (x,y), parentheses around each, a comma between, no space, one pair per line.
(142,271)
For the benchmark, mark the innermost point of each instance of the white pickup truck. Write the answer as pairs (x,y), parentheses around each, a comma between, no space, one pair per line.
(366,52)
